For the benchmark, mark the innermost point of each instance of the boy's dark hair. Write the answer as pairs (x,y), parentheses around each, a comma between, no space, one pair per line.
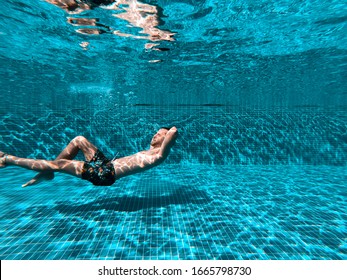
(165,128)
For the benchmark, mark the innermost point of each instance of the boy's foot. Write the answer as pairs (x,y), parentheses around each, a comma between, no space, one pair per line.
(42,176)
(2,159)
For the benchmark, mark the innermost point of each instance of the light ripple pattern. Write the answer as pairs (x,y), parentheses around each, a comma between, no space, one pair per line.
(208,135)
(179,212)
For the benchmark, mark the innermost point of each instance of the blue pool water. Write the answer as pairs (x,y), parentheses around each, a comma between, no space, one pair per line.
(256,89)
(206,213)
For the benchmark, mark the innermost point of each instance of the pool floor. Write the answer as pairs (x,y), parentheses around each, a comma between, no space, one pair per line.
(181,211)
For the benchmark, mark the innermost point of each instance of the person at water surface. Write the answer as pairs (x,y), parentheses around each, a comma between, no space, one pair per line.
(96,168)
(138,14)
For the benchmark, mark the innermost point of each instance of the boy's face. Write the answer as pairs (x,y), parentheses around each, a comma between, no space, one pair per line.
(158,138)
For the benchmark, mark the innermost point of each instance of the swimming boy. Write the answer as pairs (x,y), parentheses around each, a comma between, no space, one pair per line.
(97,168)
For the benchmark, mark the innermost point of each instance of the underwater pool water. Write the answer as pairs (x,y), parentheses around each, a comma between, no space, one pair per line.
(256,89)
(180,212)
(264,197)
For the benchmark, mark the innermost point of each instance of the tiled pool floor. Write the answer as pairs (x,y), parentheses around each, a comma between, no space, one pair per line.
(179,212)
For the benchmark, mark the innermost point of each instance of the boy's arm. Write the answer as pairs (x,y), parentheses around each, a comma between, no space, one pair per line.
(168,142)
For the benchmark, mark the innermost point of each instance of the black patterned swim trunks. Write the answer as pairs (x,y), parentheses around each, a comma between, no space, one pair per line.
(99,170)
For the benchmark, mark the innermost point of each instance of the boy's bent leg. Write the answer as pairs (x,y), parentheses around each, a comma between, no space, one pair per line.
(75,145)
(69,152)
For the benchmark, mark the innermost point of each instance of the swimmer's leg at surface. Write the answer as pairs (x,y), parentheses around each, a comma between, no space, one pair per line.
(69,152)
